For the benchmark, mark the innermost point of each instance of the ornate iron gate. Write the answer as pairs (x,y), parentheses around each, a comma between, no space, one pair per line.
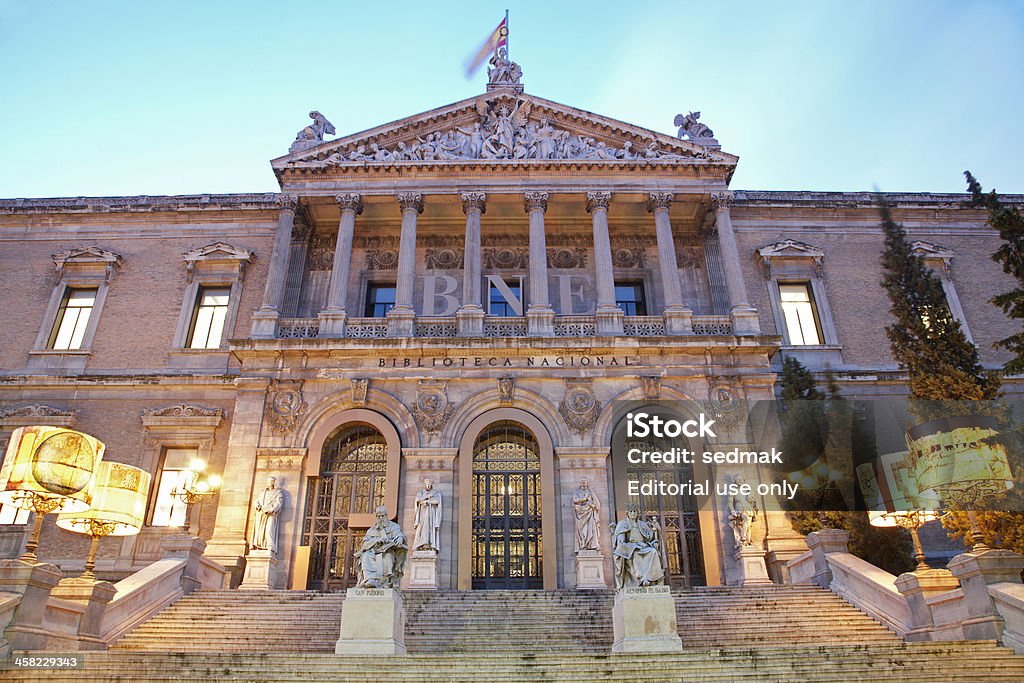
(506,509)
(352,476)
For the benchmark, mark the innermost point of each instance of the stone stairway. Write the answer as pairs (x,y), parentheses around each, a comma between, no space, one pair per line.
(775,634)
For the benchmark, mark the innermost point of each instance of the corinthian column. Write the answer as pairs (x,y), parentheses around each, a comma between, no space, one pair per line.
(264,321)
(540,317)
(609,315)
(332,318)
(744,316)
(470,315)
(678,317)
(402,318)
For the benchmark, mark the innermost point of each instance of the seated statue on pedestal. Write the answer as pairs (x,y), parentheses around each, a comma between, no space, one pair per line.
(380,561)
(636,548)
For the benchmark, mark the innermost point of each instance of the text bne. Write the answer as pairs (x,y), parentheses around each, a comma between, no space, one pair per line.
(642,424)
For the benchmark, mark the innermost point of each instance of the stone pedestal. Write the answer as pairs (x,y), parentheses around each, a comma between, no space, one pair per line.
(332,323)
(745,321)
(190,549)
(470,321)
(34,583)
(916,587)
(94,595)
(609,320)
(540,322)
(260,571)
(264,323)
(372,623)
(401,322)
(821,544)
(976,571)
(422,570)
(678,321)
(644,620)
(751,565)
(590,570)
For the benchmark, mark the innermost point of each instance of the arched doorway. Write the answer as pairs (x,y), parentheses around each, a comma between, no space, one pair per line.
(677,516)
(507,551)
(351,484)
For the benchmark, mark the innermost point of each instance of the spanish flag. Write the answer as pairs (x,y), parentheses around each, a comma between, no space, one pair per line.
(497,38)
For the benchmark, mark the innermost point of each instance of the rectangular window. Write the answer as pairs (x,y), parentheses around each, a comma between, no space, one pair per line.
(207,329)
(169,509)
(379,300)
(72,319)
(629,296)
(801,317)
(9,514)
(498,304)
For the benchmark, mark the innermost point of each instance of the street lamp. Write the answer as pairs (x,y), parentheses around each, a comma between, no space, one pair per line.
(911,520)
(195,488)
(118,508)
(48,469)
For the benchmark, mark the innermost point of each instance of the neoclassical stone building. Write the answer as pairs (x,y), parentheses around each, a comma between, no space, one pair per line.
(468,295)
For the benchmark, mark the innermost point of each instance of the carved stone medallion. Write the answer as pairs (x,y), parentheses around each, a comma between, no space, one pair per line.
(432,408)
(580,408)
(360,386)
(506,389)
(381,259)
(444,259)
(284,408)
(651,385)
(566,257)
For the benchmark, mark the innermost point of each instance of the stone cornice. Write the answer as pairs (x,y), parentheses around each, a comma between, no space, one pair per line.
(831,200)
(142,204)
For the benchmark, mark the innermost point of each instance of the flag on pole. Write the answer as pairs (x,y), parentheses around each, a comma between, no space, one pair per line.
(497,38)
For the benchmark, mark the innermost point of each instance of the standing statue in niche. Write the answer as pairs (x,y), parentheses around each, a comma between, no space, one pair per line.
(380,561)
(742,514)
(636,547)
(268,507)
(587,511)
(428,518)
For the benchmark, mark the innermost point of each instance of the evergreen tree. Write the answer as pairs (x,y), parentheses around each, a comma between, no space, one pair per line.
(925,338)
(1010,224)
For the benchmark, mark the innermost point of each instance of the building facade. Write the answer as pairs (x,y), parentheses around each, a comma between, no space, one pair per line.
(470,295)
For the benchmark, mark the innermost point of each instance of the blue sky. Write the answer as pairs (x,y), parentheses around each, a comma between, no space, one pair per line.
(112,98)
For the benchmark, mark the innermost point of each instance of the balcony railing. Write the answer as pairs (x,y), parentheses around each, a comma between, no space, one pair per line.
(501,327)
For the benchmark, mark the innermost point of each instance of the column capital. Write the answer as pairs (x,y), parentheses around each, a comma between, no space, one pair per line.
(721,201)
(598,200)
(659,200)
(350,202)
(410,201)
(535,200)
(289,202)
(474,200)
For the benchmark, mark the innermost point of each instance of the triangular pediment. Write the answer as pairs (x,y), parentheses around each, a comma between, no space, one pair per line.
(930,251)
(791,249)
(218,251)
(503,128)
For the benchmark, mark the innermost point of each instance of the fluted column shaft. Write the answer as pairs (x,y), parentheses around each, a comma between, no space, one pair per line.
(412,206)
(337,293)
(678,317)
(609,315)
(473,205)
(536,205)
(744,316)
(273,295)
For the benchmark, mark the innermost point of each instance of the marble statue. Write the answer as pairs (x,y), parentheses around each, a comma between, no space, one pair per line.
(502,69)
(268,507)
(380,561)
(692,128)
(636,548)
(742,514)
(428,518)
(316,131)
(587,511)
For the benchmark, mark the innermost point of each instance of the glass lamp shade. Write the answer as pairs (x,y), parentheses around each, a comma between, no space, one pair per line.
(119,497)
(49,469)
(901,519)
(956,458)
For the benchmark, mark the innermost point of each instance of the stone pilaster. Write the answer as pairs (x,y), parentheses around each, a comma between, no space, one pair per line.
(402,318)
(332,318)
(744,316)
(228,544)
(470,315)
(678,317)
(264,320)
(540,317)
(609,315)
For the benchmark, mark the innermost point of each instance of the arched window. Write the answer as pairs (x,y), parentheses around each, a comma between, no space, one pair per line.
(353,470)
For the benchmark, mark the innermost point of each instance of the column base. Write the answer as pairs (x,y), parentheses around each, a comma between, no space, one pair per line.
(745,321)
(260,571)
(264,323)
(644,620)
(609,320)
(470,321)
(678,321)
(372,623)
(590,570)
(540,322)
(753,571)
(401,322)
(332,323)
(422,570)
